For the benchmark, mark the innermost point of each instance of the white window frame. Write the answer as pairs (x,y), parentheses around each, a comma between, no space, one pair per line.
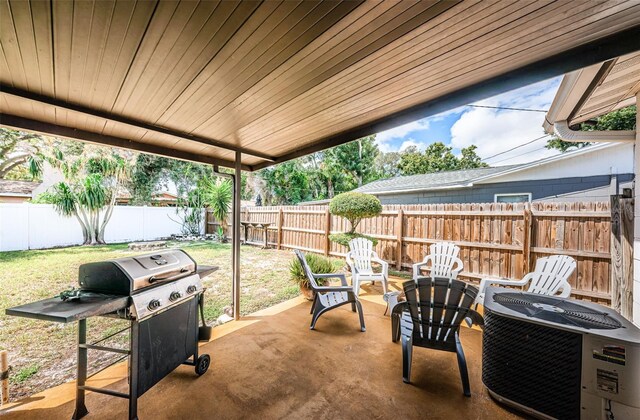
(495,196)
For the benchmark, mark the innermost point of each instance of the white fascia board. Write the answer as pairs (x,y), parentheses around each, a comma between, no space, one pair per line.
(570,91)
(548,160)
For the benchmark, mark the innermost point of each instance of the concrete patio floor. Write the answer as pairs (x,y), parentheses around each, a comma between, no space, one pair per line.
(270,365)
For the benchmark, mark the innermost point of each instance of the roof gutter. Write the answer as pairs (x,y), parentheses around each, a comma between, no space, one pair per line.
(562,130)
(576,87)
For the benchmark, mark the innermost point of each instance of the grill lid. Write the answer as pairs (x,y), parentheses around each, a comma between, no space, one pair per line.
(129,275)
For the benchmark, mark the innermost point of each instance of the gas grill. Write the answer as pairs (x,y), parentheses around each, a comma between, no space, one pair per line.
(159,294)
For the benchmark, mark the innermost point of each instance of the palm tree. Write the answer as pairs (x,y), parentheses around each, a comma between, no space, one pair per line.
(90,199)
(218,196)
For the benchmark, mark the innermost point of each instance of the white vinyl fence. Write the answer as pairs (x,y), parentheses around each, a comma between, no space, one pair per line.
(35,226)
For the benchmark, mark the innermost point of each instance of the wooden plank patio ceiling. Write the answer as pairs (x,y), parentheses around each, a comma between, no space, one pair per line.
(202,80)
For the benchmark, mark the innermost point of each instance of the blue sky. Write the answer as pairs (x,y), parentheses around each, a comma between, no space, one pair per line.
(493,131)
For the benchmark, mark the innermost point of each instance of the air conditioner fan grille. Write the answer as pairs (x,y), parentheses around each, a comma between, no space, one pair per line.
(556,310)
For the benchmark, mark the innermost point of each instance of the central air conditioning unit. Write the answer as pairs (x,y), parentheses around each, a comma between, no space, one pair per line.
(560,358)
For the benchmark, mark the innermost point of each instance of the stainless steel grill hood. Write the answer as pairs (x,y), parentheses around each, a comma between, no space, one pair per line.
(129,275)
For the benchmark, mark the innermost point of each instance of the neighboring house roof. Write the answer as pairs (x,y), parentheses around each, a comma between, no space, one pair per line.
(432,181)
(9,187)
(467,178)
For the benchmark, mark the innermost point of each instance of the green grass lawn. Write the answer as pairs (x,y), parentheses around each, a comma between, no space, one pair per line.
(43,354)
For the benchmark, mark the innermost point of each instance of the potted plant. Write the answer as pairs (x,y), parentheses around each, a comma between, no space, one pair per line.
(318,265)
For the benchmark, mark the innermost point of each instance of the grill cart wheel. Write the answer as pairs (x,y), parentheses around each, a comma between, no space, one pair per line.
(202,364)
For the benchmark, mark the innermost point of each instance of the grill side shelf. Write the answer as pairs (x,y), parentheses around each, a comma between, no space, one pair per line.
(54,309)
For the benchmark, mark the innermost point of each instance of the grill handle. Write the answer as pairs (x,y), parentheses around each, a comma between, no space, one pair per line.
(154,279)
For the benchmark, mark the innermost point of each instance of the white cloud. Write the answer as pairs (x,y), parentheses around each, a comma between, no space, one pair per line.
(420,145)
(384,138)
(494,131)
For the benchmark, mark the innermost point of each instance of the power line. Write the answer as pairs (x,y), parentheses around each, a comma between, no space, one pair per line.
(521,154)
(516,147)
(509,108)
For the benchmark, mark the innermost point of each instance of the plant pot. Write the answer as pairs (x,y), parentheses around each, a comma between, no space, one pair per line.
(307,292)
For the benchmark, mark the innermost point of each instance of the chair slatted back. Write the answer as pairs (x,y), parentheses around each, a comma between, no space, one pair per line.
(550,273)
(437,307)
(306,268)
(443,255)
(361,250)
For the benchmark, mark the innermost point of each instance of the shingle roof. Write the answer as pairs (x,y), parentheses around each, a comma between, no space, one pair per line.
(432,180)
(9,186)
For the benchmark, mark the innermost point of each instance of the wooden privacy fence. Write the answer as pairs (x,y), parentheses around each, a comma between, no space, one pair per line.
(496,239)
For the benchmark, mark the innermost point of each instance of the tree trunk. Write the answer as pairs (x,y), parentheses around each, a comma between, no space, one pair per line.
(84,222)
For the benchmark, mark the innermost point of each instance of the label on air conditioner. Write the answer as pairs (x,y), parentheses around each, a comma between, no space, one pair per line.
(607,381)
(612,354)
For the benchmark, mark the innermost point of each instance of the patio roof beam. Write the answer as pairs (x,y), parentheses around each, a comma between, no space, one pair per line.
(621,43)
(21,123)
(9,90)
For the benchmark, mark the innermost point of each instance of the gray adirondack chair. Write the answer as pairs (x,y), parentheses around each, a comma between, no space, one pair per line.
(431,317)
(329,297)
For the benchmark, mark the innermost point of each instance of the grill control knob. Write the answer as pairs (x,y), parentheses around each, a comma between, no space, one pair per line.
(175,296)
(154,304)
(192,289)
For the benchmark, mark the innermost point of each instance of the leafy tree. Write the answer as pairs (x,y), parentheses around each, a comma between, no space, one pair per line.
(147,174)
(356,159)
(621,119)
(436,158)
(19,153)
(387,165)
(286,183)
(88,192)
(189,212)
(469,159)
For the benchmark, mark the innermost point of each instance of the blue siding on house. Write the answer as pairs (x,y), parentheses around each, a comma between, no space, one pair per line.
(592,188)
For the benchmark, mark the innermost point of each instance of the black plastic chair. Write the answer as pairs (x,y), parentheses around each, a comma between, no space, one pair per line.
(329,297)
(431,317)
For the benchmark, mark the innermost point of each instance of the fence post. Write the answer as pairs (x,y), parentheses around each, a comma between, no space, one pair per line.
(280,222)
(4,377)
(327,232)
(626,291)
(399,221)
(526,242)
(622,255)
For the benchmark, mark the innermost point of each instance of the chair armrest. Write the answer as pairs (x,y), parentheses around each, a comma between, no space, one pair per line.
(341,276)
(416,266)
(383,263)
(484,283)
(474,317)
(324,289)
(396,313)
(458,266)
(565,290)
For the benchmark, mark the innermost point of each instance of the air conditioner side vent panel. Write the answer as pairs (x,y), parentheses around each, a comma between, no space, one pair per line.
(533,365)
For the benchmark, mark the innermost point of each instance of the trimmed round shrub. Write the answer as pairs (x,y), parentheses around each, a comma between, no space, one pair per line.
(354,207)
(318,265)
(344,238)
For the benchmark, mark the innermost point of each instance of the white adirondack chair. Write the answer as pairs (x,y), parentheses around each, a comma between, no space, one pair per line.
(442,261)
(550,277)
(359,258)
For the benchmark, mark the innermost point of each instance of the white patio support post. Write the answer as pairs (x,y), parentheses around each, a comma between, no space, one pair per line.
(636,222)
(237,186)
